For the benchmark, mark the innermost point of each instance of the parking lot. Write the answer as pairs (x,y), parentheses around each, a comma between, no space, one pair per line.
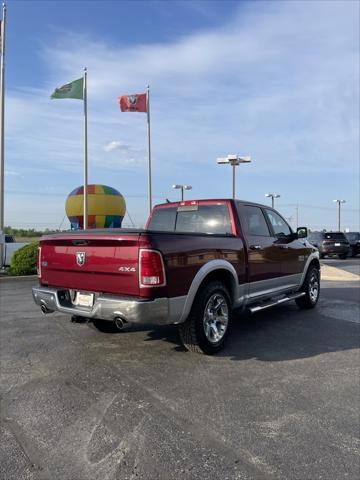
(280,402)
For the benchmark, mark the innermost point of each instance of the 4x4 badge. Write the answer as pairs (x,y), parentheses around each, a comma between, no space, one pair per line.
(80,258)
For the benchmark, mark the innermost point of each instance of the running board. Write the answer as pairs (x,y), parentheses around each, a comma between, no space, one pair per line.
(277,302)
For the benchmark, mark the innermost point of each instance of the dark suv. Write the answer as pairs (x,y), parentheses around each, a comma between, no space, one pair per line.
(330,243)
(354,240)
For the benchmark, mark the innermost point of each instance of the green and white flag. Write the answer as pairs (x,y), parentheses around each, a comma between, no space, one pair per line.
(74,89)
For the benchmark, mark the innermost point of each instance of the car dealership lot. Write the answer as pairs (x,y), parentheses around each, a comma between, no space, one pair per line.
(281,401)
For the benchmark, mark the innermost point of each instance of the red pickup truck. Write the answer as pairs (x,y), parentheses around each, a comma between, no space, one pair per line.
(192,265)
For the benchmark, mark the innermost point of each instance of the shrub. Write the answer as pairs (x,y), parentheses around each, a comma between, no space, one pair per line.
(23,261)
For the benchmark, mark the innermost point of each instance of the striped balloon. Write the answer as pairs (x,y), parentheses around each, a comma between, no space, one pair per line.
(106,207)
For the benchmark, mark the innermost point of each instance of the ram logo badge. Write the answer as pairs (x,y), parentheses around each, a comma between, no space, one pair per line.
(80,258)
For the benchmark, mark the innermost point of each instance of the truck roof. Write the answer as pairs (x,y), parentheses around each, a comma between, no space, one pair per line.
(210,200)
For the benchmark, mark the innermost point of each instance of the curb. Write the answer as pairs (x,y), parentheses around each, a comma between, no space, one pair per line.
(17,277)
(337,274)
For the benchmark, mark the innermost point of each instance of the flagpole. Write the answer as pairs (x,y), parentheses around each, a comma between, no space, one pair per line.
(85,217)
(149,147)
(2,129)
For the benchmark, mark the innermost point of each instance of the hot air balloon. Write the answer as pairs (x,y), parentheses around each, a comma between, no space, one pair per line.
(106,207)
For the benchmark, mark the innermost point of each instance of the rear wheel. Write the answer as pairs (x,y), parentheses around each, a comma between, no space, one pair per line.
(311,288)
(342,256)
(207,327)
(322,255)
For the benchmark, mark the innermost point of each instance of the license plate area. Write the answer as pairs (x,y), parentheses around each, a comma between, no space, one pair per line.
(84,299)
(337,244)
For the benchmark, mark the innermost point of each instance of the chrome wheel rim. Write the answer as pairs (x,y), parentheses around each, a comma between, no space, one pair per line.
(314,287)
(216,318)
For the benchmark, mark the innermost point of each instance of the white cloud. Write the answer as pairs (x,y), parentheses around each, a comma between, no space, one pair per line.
(116,145)
(11,173)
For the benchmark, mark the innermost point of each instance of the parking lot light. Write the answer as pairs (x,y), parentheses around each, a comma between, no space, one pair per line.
(234,161)
(272,196)
(182,188)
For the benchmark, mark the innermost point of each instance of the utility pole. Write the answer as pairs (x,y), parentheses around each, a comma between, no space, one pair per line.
(297,215)
(339,202)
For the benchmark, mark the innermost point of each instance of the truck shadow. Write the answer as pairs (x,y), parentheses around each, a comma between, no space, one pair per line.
(278,334)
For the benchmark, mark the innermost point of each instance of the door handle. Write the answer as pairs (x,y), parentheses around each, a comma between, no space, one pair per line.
(256,247)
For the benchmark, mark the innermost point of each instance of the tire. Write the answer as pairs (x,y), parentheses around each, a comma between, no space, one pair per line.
(322,255)
(342,256)
(208,324)
(311,287)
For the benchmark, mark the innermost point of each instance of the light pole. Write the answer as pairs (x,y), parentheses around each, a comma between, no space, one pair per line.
(272,196)
(339,202)
(234,161)
(182,188)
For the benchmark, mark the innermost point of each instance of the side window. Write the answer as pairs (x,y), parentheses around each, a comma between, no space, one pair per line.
(253,221)
(280,227)
(163,220)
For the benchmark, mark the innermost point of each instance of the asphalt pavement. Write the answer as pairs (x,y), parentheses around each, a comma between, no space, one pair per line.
(280,402)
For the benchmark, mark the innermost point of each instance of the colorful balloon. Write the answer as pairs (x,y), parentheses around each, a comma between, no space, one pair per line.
(106,207)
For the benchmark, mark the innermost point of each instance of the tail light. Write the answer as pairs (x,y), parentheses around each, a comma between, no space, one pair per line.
(151,268)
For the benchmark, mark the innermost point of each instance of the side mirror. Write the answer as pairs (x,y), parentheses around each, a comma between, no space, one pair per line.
(302,232)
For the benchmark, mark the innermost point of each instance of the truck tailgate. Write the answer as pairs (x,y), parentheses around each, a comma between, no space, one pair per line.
(93,263)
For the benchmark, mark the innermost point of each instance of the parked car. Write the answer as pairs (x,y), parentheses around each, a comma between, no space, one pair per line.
(330,243)
(10,246)
(192,265)
(354,240)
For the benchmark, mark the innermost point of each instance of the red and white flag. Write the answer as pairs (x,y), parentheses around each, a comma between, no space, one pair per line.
(133,103)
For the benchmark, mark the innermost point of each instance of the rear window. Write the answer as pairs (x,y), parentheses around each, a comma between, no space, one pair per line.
(334,236)
(212,219)
(353,236)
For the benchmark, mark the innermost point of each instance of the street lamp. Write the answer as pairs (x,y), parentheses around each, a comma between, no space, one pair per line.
(272,196)
(234,161)
(339,202)
(182,187)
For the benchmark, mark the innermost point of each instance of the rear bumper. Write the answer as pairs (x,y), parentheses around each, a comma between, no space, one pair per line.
(107,307)
(332,250)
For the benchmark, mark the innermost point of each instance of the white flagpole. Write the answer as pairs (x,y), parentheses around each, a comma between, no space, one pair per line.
(2,130)
(85,217)
(149,147)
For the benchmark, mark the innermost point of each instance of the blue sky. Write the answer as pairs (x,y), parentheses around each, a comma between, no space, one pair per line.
(277,80)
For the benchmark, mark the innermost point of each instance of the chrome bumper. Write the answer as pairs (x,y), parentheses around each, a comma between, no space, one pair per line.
(106,307)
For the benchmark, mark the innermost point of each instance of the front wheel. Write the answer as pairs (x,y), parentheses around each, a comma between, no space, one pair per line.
(207,327)
(311,288)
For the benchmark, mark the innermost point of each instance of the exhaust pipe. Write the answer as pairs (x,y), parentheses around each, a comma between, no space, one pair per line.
(120,323)
(45,310)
